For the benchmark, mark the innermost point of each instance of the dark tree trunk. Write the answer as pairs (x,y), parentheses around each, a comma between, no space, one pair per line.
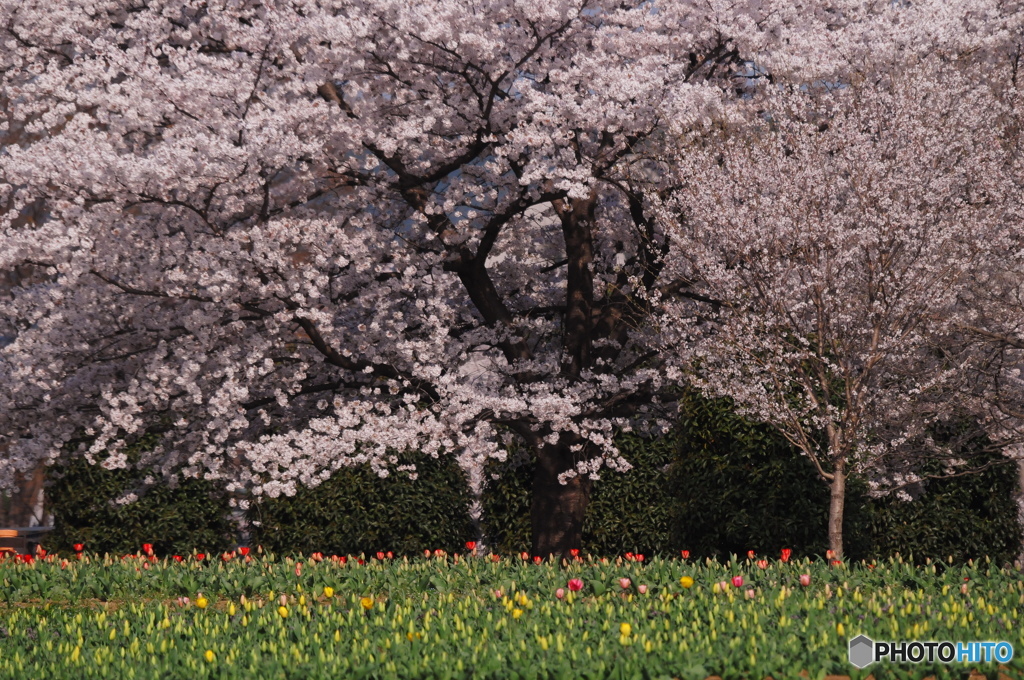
(557,510)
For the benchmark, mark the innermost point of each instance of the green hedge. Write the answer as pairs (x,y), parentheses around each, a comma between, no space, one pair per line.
(719,485)
(81,497)
(355,511)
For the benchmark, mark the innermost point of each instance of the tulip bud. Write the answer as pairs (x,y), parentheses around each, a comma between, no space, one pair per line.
(750,593)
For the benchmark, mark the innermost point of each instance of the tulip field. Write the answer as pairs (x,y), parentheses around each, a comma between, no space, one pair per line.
(450,616)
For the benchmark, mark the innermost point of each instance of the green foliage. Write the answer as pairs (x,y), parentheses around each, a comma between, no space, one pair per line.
(628,512)
(193,516)
(741,486)
(962,517)
(721,485)
(356,511)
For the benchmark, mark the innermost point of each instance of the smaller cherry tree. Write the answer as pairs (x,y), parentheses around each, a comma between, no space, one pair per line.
(830,244)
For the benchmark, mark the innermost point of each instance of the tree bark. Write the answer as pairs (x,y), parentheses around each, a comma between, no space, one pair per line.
(835,510)
(557,510)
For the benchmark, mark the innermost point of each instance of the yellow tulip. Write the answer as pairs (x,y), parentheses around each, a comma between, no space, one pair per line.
(209,655)
(283,611)
(231,609)
(625,629)
(328,592)
(516,613)
(686,582)
(840,630)
(366,602)
(201,602)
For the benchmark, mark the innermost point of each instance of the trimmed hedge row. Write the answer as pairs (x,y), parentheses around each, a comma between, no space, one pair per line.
(719,485)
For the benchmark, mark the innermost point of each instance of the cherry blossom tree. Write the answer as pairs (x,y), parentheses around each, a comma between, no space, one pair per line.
(835,233)
(294,236)
(298,236)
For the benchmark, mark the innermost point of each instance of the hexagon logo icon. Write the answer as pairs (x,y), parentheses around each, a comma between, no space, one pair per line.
(862,651)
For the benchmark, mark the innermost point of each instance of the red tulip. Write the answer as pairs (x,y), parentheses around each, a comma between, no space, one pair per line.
(317,557)
(380,555)
(836,563)
(639,557)
(147,548)
(537,559)
(575,585)
(629,556)
(78,547)
(360,561)
(786,552)
(389,555)
(763,564)
(178,558)
(244,552)
(830,554)
(201,556)
(737,581)
(685,554)
(298,568)
(226,557)
(525,555)
(471,545)
(575,552)
(495,558)
(750,554)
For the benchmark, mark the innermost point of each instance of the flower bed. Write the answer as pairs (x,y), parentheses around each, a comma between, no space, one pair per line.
(444,616)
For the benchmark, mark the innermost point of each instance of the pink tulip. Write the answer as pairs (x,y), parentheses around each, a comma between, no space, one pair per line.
(750,593)
(575,585)
(737,581)
(642,589)
(625,583)
(498,594)
(805,580)
(723,585)
(560,593)
(763,564)
(963,588)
